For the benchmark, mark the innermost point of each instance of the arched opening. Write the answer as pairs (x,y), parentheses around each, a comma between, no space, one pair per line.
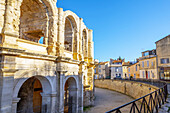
(33,20)
(70,96)
(30,96)
(70,37)
(84,43)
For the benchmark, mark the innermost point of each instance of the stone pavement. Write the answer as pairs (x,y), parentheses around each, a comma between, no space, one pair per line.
(166,107)
(106,100)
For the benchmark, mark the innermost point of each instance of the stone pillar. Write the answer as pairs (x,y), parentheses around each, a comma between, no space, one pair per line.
(51,34)
(46,103)
(80,40)
(7,72)
(10,31)
(80,92)
(53,102)
(60,89)
(73,92)
(6,91)
(90,46)
(2,13)
(14,104)
(76,45)
(86,44)
(60,39)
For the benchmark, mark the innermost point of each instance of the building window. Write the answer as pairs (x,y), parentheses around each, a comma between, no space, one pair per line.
(149,74)
(134,75)
(143,74)
(143,64)
(129,69)
(153,76)
(164,60)
(152,64)
(119,75)
(136,68)
(116,69)
(99,66)
(129,75)
(145,54)
(147,63)
(99,70)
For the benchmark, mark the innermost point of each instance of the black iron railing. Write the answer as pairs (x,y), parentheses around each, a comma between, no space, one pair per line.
(149,103)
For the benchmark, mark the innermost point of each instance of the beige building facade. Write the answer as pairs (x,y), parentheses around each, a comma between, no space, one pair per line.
(46,58)
(103,70)
(163,57)
(148,65)
(133,71)
(125,70)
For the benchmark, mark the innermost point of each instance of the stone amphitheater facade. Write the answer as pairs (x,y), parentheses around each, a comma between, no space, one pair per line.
(47,58)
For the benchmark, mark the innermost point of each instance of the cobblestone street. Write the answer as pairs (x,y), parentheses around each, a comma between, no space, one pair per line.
(106,100)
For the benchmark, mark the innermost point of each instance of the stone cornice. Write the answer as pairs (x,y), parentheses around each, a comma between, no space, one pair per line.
(67,59)
(23,53)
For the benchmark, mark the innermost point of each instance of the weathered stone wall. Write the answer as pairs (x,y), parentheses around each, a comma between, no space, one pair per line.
(131,88)
(23,23)
(2,12)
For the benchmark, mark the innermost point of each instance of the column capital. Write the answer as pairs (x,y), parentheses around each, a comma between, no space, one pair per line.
(16,100)
(53,94)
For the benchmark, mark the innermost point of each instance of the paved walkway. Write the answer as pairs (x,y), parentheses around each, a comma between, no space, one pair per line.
(106,100)
(166,107)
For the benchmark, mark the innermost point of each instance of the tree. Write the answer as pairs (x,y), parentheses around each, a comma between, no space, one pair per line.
(120,58)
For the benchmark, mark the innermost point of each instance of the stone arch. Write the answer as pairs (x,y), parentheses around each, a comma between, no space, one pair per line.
(46,27)
(70,37)
(70,95)
(33,20)
(71,32)
(85,42)
(44,95)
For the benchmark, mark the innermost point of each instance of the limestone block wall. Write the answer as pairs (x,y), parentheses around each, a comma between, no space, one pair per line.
(131,88)
(2,12)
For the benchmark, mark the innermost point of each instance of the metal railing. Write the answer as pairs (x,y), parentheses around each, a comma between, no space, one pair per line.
(149,103)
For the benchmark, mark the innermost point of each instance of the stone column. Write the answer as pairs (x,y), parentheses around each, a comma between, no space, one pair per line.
(7,72)
(90,46)
(60,39)
(14,104)
(80,40)
(46,103)
(2,12)
(76,45)
(6,90)
(60,89)
(53,102)
(10,31)
(80,92)
(73,92)
(81,87)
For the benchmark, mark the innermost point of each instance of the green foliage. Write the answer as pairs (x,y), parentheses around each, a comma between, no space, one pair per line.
(120,58)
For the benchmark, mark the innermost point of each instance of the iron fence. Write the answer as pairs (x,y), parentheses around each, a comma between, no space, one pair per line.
(149,103)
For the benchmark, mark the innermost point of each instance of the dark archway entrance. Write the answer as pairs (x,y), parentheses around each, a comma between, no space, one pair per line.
(70,96)
(30,97)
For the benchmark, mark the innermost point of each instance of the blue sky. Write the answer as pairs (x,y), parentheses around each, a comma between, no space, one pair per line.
(122,27)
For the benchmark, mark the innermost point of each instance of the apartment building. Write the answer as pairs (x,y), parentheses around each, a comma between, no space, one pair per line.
(163,57)
(148,65)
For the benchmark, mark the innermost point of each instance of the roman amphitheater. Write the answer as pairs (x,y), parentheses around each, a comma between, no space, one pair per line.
(46,58)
